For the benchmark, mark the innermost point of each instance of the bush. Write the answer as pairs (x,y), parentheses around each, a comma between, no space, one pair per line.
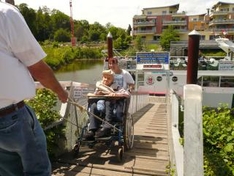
(44,105)
(218,125)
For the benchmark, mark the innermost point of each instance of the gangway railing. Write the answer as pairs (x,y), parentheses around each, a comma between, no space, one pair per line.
(187,156)
(115,52)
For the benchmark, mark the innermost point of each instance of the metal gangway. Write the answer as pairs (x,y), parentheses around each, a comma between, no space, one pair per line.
(157,138)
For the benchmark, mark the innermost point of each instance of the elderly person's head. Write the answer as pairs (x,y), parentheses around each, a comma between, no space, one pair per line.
(107,77)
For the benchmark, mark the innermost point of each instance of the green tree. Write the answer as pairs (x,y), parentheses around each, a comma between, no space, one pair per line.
(167,36)
(138,42)
(60,20)
(114,31)
(62,35)
(94,35)
(120,37)
(43,25)
(81,29)
(46,25)
(29,16)
(95,31)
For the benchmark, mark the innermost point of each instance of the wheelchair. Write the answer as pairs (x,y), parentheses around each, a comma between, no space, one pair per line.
(122,129)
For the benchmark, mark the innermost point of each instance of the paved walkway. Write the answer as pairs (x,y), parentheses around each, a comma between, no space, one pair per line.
(149,156)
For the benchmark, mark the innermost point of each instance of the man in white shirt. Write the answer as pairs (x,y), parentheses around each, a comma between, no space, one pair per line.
(23,149)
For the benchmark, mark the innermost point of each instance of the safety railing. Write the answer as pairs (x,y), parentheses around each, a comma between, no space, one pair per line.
(189,152)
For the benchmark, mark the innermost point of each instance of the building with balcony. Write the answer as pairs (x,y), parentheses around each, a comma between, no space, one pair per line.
(153,21)
(219,20)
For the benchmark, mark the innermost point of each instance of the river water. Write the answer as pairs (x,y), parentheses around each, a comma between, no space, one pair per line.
(88,71)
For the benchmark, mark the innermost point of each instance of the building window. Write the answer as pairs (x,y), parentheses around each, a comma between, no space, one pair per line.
(202,37)
(149,13)
(210,81)
(227,81)
(212,37)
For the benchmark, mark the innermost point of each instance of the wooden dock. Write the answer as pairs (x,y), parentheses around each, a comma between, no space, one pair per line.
(149,155)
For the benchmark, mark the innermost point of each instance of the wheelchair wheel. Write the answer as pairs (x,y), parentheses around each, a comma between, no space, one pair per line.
(129,132)
(76,149)
(120,155)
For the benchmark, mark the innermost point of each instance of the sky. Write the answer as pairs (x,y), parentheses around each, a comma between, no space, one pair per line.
(119,12)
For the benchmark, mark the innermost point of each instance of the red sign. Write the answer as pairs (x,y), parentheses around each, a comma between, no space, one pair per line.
(152,66)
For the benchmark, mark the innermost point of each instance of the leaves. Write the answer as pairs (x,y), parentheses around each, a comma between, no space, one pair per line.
(167,36)
(218,125)
(44,104)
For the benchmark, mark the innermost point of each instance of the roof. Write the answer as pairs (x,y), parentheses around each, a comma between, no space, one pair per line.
(197,15)
(175,6)
(221,3)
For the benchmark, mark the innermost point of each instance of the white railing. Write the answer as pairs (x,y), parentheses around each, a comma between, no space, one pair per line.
(177,151)
(188,160)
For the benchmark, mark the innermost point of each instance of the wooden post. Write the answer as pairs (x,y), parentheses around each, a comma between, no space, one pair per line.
(193,51)
(110,45)
(193,133)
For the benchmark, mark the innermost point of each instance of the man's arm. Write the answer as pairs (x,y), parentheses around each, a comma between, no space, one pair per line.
(44,74)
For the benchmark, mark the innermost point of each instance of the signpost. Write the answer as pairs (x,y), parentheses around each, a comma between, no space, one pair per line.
(153,60)
(154,64)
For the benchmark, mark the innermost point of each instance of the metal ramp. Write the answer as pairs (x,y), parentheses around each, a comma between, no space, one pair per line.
(149,156)
(226,45)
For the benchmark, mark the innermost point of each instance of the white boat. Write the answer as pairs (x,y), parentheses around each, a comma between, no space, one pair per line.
(217,86)
(161,73)
(215,77)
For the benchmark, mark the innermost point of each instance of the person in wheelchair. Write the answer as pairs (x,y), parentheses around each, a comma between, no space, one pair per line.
(123,79)
(99,107)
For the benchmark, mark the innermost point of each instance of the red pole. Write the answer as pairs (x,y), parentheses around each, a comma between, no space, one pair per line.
(73,40)
(193,52)
(110,45)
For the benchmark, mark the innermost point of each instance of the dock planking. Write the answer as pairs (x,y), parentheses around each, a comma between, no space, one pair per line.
(149,155)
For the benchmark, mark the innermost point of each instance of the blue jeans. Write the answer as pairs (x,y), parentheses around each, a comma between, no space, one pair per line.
(94,122)
(110,105)
(23,148)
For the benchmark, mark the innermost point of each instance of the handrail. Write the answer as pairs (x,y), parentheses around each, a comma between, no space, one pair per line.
(177,153)
(193,135)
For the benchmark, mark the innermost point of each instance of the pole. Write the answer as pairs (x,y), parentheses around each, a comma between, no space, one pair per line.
(193,51)
(73,40)
(110,45)
(193,134)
